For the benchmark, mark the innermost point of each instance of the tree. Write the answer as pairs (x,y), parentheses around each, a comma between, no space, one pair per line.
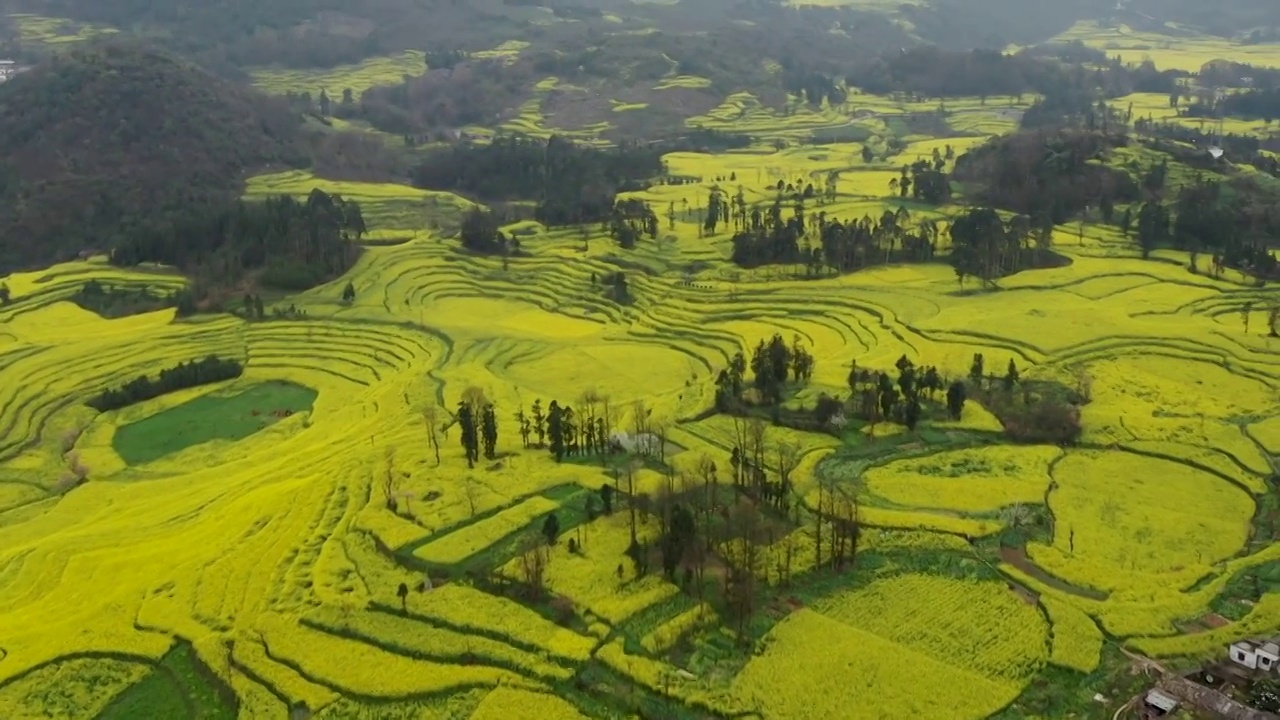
(555,428)
(349,293)
(1126,222)
(533,564)
(911,415)
(1011,376)
(402,592)
(606,498)
(539,423)
(324,103)
(976,371)
(470,436)
(490,431)
(551,529)
(680,534)
(955,399)
(1153,227)
(431,417)
(348,97)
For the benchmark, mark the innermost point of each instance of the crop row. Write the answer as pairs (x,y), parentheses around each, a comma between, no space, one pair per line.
(877,677)
(976,625)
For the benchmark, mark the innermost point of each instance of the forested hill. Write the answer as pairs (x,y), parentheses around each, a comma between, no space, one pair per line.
(96,144)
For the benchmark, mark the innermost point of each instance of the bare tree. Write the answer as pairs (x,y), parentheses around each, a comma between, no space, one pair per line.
(640,426)
(469,486)
(757,430)
(631,498)
(588,405)
(788,459)
(741,552)
(389,482)
(431,416)
(533,563)
(660,430)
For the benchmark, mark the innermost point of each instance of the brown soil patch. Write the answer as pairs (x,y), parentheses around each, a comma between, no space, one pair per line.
(1214,620)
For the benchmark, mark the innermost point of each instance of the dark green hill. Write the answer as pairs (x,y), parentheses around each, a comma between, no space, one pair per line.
(100,143)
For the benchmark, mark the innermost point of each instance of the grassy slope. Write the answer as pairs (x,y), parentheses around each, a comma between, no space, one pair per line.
(217,416)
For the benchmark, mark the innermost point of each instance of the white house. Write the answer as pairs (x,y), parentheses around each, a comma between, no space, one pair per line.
(1242,653)
(1268,656)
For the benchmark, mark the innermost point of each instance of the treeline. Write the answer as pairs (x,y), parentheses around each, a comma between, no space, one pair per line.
(471,92)
(184,375)
(842,246)
(296,244)
(1028,411)
(1225,73)
(571,183)
(933,72)
(1250,104)
(1238,148)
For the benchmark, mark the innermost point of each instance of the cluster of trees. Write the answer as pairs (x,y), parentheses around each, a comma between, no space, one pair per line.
(566,433)
(297,244)
(1234,146)
(1050,176)
(631,220)
(875,397)
(982,244)
(1250,104)
(1055,72)
(772,364)
(1226,73)
(1234,221)
(1031,416)
(571,183)
(988,248)
(477,420)
(184,375)
(480,233)
(110,302)
(841,246)
(810,85)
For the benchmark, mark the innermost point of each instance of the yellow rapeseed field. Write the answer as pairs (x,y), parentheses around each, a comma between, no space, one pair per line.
(966,480)
(978,626)
(1126,521)
(1077,642)
(876,677)
(280,555)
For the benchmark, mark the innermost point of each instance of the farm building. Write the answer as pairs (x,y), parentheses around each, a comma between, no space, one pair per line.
(1255,657)
(1158,703)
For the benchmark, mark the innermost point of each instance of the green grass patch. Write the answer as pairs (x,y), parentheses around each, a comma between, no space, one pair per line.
(178,687)
(210,417)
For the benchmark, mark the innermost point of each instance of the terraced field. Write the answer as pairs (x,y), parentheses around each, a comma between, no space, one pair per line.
(277,558)
(311,554)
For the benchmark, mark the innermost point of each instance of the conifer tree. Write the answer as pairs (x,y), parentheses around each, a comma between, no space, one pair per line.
(490,431)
